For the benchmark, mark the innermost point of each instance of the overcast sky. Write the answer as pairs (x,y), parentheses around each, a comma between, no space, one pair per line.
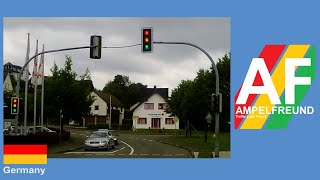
(165,67)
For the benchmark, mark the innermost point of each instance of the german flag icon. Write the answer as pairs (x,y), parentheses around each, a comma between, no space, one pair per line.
(24,154)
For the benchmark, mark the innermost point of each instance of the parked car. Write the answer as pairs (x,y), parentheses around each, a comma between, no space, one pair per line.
(99,140)
(112,134)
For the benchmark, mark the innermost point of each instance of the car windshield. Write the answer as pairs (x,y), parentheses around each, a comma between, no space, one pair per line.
(98,135)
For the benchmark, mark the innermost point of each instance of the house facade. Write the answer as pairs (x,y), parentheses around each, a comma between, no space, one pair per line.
(7,84)
(12,70)
(150,113)
(100,110)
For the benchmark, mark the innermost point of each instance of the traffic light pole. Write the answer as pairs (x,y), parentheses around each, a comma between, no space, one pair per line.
(216,150)
(20,74)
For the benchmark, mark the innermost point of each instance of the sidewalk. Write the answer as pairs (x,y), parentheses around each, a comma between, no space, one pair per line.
(69,145)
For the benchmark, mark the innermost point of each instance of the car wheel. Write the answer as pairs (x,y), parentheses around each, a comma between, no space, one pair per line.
(108,146)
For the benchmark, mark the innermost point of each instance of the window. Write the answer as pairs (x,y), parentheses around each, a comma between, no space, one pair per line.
(169,121)
(161,105)
(142,121)
(96,107)
(148,106)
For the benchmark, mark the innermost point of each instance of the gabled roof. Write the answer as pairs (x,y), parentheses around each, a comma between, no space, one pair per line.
(148,92)
(106,98)
(5,73)
(163,92)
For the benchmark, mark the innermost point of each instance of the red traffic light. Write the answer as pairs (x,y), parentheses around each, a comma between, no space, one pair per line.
(146,40)
(146,32)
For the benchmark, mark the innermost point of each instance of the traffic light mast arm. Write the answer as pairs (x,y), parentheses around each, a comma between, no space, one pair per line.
(24,66)
(207,54)
(217,87)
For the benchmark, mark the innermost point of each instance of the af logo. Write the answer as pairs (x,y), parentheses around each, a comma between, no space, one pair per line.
(274,87)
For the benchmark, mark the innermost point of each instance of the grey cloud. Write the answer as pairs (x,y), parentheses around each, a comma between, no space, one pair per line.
(167,65)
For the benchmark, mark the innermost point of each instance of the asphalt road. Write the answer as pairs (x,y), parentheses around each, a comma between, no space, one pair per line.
(130,146)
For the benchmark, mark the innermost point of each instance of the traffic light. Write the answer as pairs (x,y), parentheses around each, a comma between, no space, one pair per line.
(95,52)
(216,102)
(146,40)
(14,105)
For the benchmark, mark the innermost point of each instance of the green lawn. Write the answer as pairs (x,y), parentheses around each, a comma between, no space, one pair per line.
(196,143)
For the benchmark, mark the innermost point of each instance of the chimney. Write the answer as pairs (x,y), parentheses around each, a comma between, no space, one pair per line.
(154,86)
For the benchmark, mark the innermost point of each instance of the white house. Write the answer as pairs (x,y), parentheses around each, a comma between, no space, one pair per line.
(150,112)
(7,84)
(100,110)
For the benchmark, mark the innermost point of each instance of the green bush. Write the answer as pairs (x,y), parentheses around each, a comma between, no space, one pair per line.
(98,126)
(125,126)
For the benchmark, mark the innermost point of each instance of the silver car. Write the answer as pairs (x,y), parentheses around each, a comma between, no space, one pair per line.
(112,134)
(99,140)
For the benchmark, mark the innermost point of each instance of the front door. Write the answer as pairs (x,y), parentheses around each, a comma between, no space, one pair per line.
(155,123)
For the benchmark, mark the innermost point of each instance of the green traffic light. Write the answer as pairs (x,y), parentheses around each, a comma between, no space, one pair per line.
(14,110)
(146,46)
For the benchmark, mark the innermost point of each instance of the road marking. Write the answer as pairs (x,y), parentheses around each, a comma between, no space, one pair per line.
(150,140)
(155,154)
(144,154)
(166,154)
(132,150)
(131,137)
(94,152)
(179,154)
(144,139)
(137,138)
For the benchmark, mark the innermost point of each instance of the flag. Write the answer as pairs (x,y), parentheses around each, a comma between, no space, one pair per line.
(25,154)
(26,69)
(41,68)
(35,68)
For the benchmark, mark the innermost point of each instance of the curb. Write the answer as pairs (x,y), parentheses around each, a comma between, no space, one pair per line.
(74,149)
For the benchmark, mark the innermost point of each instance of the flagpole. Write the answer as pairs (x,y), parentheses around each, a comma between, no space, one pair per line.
(35,91)
(26,79)
(42,92)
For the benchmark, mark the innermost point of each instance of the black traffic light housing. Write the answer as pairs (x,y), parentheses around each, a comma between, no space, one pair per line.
(216,102)
(14,105)
(95,52)
(146,40)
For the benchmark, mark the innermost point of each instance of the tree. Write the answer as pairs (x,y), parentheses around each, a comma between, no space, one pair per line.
(191,100)
(64,92)
(127,92)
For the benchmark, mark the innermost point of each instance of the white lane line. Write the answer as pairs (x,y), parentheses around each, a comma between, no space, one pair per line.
(166,154)
(144,154)
(131,137)
(144,139)
(150,140)
(94,152)
(179,154)
(132,150)
(155,154)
